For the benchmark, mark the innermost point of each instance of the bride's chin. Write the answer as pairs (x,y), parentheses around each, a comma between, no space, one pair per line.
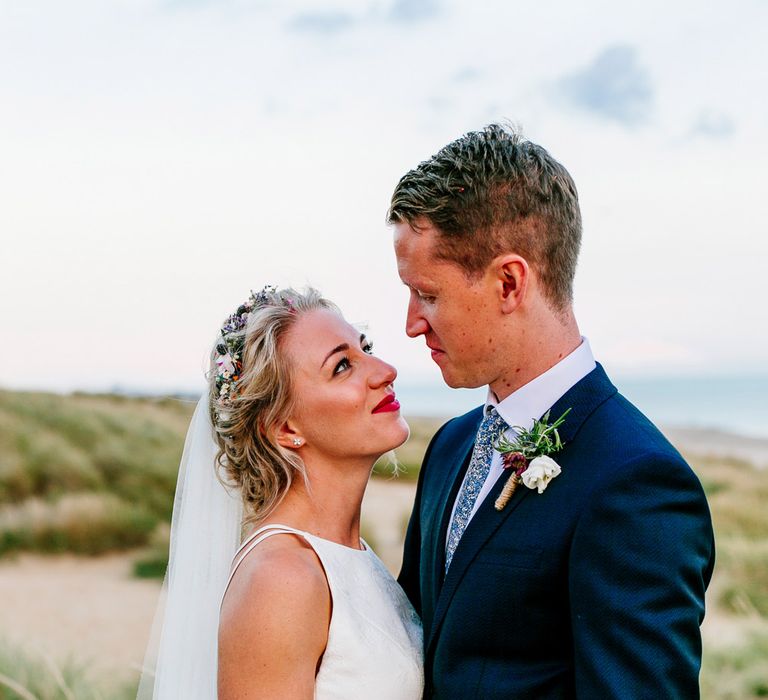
(400,433)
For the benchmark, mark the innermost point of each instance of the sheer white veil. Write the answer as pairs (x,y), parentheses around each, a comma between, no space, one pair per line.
(181,660)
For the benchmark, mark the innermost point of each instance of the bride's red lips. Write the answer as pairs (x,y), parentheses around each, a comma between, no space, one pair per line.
(388,403)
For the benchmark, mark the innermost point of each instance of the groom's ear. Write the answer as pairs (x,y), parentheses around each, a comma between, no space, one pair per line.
(512,275)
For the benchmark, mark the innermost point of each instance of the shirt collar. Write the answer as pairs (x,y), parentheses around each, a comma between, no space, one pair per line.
(531,401)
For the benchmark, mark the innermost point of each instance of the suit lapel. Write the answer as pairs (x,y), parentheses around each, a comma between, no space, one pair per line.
(479,530)
(459,463)
(583,399)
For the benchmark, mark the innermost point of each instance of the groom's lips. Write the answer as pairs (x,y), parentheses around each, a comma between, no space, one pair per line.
(388,403)
(435,352)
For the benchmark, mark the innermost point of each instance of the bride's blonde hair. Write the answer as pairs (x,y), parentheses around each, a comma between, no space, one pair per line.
(250,396)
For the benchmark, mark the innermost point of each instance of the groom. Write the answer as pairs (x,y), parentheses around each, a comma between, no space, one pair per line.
(591,585)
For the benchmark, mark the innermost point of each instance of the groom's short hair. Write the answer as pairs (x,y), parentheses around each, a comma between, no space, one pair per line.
(492,192)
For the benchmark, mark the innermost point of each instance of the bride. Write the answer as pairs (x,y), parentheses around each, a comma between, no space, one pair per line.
(298,411)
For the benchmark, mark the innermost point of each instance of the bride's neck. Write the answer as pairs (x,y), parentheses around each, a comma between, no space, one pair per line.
(329,507)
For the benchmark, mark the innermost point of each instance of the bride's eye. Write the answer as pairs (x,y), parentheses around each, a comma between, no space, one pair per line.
(342,365)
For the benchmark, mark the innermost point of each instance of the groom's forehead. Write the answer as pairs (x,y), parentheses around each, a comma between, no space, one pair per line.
(414,248)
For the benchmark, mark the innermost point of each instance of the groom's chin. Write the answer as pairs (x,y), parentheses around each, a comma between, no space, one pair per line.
(456,382)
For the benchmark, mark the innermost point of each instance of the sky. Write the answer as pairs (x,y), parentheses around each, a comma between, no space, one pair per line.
(160,158)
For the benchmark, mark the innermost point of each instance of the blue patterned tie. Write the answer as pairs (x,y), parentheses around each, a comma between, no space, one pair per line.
(479,466)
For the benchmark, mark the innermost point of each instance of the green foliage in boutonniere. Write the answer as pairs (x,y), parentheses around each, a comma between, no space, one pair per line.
(528,457)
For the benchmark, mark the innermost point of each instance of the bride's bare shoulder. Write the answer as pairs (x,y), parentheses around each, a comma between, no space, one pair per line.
(283,569)
(274,618)
(274,621)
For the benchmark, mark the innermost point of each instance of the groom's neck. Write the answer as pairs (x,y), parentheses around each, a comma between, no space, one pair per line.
(532,344)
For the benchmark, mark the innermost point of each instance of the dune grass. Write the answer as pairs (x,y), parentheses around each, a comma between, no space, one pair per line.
(25,675)
(86,474)
(737,673)
(152,560)
(737,494)
(82,523)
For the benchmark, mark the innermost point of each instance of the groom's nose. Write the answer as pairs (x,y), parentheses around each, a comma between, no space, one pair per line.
(415,323)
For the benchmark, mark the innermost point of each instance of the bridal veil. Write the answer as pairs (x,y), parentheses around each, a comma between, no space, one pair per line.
(181,660)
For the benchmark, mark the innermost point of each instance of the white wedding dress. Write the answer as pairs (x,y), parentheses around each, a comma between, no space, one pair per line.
(374,648)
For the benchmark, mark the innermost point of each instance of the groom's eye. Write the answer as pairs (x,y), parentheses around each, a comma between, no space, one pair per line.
(429,298)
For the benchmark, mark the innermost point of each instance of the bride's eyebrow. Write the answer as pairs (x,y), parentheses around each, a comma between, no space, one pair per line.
(340,348)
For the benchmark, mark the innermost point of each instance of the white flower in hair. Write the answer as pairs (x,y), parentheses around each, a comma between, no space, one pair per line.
(226,364)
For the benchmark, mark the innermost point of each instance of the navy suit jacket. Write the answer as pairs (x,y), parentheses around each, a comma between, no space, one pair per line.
(592,589)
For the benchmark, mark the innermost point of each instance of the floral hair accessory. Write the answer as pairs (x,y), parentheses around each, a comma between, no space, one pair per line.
(229,349)
(527,457)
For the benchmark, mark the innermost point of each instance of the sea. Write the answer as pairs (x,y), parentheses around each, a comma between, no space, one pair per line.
(731,404)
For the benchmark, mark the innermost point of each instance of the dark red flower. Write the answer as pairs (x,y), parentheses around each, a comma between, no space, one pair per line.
(515,460)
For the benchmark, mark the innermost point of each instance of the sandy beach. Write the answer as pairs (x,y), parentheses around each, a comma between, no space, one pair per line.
(716,443)
(90,609)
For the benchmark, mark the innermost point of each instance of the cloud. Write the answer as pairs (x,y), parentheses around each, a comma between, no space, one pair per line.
(335,21)
(322,22)
(614,86)
(468,74)
(414,10)
(714,125)
(196,4)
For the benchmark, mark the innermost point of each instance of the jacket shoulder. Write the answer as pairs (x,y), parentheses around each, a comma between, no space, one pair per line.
(627,445)
(619,423)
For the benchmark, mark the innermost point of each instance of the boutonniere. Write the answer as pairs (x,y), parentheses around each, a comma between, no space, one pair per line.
(527,456)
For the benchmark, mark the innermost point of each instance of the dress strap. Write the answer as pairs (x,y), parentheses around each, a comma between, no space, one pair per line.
(256,537)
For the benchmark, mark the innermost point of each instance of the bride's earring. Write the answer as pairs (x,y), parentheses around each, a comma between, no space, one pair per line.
(297,441)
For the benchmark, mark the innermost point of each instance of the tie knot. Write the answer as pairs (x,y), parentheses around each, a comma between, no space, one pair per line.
(490,428)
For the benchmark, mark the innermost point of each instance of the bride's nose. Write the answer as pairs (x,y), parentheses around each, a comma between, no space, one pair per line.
(382,374)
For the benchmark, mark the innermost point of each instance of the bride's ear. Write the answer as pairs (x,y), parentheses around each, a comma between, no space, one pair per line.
(287,435)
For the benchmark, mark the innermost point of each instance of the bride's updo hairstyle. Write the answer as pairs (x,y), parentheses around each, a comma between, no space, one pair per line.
(251,396)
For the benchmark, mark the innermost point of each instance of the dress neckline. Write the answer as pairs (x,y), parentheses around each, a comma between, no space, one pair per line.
(287,528)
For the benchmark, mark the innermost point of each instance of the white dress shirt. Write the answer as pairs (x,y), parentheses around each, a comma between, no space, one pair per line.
(529,403)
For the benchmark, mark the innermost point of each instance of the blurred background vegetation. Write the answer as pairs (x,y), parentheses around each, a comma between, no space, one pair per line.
(91,474)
